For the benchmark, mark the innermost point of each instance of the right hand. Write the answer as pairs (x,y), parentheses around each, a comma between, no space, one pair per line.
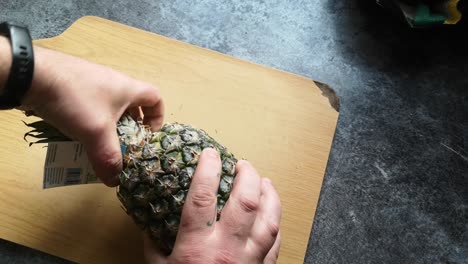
(248,230)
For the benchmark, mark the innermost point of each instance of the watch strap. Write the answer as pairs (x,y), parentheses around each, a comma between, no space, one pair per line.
(22,68)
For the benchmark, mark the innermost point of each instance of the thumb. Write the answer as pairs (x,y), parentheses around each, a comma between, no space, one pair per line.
(105,156)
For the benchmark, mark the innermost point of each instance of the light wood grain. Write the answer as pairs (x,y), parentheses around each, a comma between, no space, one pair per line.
(278,121)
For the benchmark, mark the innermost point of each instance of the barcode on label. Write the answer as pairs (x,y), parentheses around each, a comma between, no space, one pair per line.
(51,153)
(67,164)
(73,176)
(54,176)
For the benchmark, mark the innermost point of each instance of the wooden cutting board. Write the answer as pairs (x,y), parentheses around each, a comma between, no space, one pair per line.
(283,123)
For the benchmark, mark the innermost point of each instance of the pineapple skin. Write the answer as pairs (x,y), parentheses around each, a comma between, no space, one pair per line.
(157,171)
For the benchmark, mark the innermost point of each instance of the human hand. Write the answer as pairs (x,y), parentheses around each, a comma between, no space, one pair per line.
(248,229)
(85,100)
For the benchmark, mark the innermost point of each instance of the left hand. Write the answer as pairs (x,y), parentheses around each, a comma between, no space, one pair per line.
(85,100)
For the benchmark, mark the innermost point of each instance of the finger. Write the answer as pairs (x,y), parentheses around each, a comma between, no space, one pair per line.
(199,212)
(267,223)
(238,216)
(105,155)
(135,113)
(154,116)
(151,251)
(149,98)
(273,254)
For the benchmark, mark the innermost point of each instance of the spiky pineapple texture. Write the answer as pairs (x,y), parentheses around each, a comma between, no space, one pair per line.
(157,171)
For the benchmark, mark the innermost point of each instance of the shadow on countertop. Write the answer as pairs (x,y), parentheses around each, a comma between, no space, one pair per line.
(396,187)
(383,41)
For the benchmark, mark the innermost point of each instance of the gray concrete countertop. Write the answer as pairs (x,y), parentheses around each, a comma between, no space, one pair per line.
(396,186)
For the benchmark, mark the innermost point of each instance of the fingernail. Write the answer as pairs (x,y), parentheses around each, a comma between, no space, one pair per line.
(211,153)
(267,182)
(111,182)
(116,180)
(242,162)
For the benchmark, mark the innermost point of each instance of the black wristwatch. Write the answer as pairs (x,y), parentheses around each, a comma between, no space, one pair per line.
(22,68)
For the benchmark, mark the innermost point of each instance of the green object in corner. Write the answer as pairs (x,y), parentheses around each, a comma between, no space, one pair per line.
(423,17)
(427,13)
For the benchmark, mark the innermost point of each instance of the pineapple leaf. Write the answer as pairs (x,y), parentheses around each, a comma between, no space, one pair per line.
(44,132)
(42,141)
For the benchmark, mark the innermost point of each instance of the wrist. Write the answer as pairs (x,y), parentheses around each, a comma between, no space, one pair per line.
(5,62)
(42,80)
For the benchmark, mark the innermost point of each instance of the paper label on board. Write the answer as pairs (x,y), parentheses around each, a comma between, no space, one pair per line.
(67,164)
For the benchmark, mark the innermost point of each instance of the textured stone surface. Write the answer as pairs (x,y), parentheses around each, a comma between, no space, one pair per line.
(13,253)
(396,187)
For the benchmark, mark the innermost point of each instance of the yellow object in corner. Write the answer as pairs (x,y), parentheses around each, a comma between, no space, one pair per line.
(454,15)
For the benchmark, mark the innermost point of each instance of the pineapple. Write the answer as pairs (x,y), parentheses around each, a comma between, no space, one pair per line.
(157,171)
(158,168)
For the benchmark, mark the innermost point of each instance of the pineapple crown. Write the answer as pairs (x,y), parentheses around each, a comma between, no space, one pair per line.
(129,131)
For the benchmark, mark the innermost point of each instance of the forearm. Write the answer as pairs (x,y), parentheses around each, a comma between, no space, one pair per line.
(5,61)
